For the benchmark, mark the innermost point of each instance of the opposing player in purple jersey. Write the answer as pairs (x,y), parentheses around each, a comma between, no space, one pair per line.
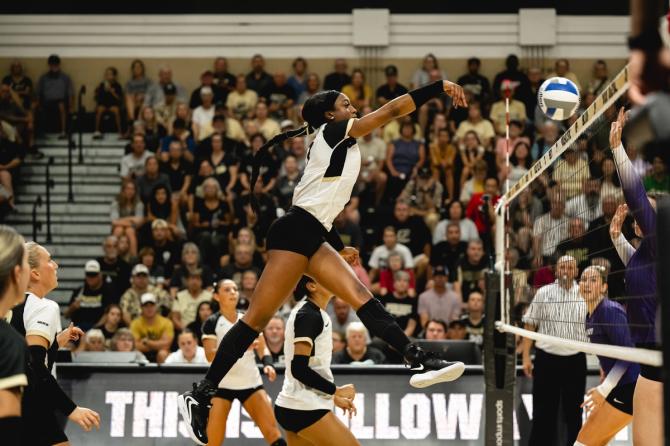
(640,299)
(609,405)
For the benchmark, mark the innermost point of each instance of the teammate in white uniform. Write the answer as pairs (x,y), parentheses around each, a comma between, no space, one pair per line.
(244,381)
(304,241)
(38,319)
(14,275)
(304,407)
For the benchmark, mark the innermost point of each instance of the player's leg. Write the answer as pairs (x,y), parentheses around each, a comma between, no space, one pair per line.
(329,269)
(294,439)
(602,425)
(648,413)
(329,431)
(259,409)
(218,416)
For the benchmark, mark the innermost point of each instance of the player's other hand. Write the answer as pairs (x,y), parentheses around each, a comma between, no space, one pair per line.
(456,92)
(71,333)
(270,372)
(86,418)
(346,404)
(527,366)
(617,221)
(346,391)
(350,255)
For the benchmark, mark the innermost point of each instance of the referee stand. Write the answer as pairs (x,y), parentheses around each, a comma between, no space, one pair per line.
(499,367)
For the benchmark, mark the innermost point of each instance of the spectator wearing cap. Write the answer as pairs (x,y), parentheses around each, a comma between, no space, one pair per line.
(498,114)
(219,93)
(267,126)
(457,330)
(185,305)
(447,253)
(436,330)
(182,135)
(242,100)
(115,271)
(89,301)
(153,333)
(203,115)
(108,98)
(132,164)
(167,251)
(338,78)
(441,301)
(258,79)
(166,111)
(391,89)
(189,351)
(156,95)
(475,82)
(423,194)
(55,93)
(130,301)
(298,80)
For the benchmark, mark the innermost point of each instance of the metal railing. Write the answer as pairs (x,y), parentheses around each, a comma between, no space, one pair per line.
(70,148)
(80,122)
(37,225)
(50,183)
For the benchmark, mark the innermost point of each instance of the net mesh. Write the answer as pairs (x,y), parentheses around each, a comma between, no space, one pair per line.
(563,205)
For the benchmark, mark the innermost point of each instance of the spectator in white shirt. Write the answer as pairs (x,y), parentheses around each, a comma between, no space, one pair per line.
(203,115)
(550,229)
(189,351)
(456,215)
(587,204)
(380,254)
(132,165)
(155,94)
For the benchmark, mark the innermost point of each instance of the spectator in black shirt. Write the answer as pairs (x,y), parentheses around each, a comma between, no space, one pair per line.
(475,82)
(575,245)
(13,112)
(287,182)
(357,351)
(211,223)
(190,261)
(224,162)
(181,135)
(153,177)
(88,302)
(448,253)
(338,78)
(243,260)
(274,338)
(9,162)
(258,79)
(279,96)
(108,98)
(180,172)
(519,81)
(115,271)
(350,233)
(391,89)
(474,318)
(55,93)
(110,323)
(471,268)
(207,80)
(21,84)
(204,312)
(222,78)
(413,233)
(166,251)
(401,306)
(269,168)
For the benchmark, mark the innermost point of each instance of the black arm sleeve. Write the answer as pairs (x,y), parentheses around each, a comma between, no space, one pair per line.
(46,385)
(333,237)
(424,94)
(301,371)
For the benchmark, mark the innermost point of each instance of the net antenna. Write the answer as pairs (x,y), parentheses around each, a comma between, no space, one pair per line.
(614,90)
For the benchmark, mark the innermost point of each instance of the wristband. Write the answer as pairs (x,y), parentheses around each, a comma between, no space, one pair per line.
(649,40)
(424,94)
(267,361)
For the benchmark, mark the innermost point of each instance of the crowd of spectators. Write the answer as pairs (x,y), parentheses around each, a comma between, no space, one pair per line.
(421,215)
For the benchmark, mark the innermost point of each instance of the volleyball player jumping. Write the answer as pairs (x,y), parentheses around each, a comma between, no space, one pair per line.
(304,241)
(14,276)
(304,407)
(244,382)
(641,300)
(610,405)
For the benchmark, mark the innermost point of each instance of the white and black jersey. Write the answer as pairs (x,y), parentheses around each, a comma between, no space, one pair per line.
(333,164)
(244,374)
(40,317)
(12,358)
(307,323)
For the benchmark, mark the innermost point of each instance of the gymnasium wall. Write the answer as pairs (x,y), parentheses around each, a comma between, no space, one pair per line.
(188,43)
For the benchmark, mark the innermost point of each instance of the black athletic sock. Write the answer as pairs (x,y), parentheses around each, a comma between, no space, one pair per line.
(232,347)
(10,429)
(279,442)
(380,323)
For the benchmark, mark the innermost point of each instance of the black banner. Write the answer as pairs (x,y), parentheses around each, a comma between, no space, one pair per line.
(138,407)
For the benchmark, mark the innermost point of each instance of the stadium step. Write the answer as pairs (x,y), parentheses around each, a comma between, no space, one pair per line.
(56,170)
(65,208)
(78,189)
(69,229)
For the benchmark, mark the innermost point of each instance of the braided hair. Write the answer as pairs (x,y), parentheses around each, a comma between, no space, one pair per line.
(313,113)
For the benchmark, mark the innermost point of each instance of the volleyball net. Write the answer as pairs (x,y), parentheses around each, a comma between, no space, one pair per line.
(563,204)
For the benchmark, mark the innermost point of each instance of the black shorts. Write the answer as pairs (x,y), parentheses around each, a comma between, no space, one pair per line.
(298,231)
(239,394)
(39,424)
(621,398)
(648,371)
(293,420)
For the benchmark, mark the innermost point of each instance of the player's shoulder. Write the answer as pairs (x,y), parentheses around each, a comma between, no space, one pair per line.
(45,306)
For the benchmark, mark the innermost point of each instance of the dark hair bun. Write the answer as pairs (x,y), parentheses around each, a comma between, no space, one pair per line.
(315,108)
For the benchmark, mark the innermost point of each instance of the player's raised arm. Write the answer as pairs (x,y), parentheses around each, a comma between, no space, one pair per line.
(406,104)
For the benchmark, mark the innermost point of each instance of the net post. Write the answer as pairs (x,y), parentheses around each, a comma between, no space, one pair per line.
(499,365)
(663,290)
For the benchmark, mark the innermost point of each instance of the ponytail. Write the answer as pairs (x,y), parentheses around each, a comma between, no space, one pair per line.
(262,153)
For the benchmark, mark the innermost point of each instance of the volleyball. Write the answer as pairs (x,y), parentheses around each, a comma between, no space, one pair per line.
(558,98)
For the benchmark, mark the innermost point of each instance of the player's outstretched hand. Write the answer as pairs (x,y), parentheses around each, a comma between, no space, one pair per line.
(346,391)
(456,92)
(86,418)
(71,333)
(616,129)
(617,221)
(350,255)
